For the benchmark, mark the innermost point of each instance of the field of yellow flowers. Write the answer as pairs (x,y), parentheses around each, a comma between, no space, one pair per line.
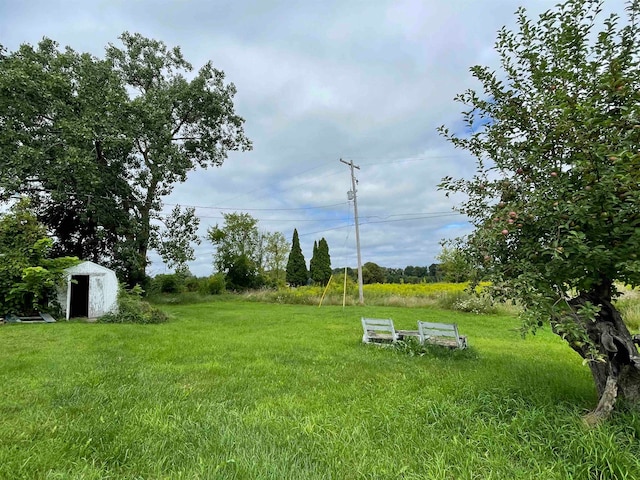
(444,295)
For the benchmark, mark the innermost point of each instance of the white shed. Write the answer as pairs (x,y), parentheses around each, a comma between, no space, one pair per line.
(90,290)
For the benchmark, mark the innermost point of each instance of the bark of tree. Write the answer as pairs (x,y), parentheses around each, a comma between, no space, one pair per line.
(617,374)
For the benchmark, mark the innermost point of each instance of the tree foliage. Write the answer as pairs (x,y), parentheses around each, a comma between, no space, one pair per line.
(313,261)
(28,274)
(98,142)
(274,257)
(247,256)
(555,200)
(373,273)
(64,142)
(297,273)
(174,242)
(320,263)
(454,265)
(237,244)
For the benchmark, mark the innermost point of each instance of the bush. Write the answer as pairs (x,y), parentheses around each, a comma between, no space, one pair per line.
(133,309)
(167,283)
(213,285)
(475,303)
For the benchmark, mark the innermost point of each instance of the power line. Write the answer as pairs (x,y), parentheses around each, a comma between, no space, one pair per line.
(381,221)
(418,158)
(256,209)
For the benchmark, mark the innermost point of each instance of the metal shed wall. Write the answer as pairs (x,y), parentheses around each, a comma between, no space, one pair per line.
(103,289)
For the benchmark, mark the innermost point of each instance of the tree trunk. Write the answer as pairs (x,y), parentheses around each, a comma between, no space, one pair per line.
(137,274)
(617,373)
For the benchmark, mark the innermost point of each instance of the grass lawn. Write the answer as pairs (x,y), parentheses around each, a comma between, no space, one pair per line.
(233,389)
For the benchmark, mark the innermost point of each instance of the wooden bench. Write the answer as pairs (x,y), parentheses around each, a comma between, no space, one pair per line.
(378,330)
(445,334)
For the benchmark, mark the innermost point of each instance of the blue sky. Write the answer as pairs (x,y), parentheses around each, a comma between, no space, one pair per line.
(368,81)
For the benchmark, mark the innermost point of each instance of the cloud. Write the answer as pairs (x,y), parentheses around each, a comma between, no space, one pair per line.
(317,81)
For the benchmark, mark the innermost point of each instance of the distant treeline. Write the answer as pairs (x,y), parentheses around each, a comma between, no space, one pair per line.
(373,273)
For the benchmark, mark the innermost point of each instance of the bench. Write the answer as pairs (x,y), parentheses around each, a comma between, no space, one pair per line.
(40,318)
(378,330)
(445,334)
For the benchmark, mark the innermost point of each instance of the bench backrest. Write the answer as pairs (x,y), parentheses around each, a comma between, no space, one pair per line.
(372,326)
(431,329)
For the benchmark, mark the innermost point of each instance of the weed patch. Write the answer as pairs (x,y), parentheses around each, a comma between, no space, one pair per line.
(412,347)
(133,309)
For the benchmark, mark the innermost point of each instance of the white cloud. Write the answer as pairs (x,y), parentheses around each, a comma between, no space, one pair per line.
(317,81)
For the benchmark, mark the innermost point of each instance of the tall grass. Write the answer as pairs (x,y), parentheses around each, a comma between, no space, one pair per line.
(387,294)
(243,390)
(629,306)
(450,296)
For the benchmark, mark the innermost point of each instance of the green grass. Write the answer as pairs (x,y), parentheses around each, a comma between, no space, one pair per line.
(233,389)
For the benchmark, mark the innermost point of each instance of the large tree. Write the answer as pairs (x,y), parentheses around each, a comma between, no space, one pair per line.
(555,200)
(97,143)
(297,273)
(180,124)
(237,236)
(323,267)
(275,251)
(320,263)
(237,243)
(65,142)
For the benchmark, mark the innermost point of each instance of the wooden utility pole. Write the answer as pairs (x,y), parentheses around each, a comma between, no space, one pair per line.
(353,196)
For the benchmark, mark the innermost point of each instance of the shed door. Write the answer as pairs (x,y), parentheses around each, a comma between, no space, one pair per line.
(79,303)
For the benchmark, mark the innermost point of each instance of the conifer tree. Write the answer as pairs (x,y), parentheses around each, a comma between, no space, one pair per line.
(313,263)
(321,263)
(297,273)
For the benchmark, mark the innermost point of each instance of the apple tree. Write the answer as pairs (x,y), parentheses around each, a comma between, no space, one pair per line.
(555,198)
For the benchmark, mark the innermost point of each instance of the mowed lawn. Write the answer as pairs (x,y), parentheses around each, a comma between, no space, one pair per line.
(233,389)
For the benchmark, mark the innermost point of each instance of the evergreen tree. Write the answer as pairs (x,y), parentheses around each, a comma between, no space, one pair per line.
(297,273)
(313,263)
(321,271)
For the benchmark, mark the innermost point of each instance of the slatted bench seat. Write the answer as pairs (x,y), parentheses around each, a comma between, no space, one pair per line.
(445,334)
(378,330)
(402,334)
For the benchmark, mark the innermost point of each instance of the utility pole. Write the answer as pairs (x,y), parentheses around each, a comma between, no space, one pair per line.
(352,196)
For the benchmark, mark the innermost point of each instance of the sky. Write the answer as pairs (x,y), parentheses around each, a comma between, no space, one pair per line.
(366,81)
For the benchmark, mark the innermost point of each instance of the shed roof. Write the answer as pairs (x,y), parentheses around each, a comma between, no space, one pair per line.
(87,267)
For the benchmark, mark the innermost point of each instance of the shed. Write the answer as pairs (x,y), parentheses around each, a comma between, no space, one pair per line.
(90,290)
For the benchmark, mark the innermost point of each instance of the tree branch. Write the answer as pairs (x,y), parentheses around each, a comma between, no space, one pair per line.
(605,405)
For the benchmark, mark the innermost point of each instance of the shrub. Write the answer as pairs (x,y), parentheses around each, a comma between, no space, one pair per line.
(213,285)
(474,303)
(167,283)
(193,284)
(133,309)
